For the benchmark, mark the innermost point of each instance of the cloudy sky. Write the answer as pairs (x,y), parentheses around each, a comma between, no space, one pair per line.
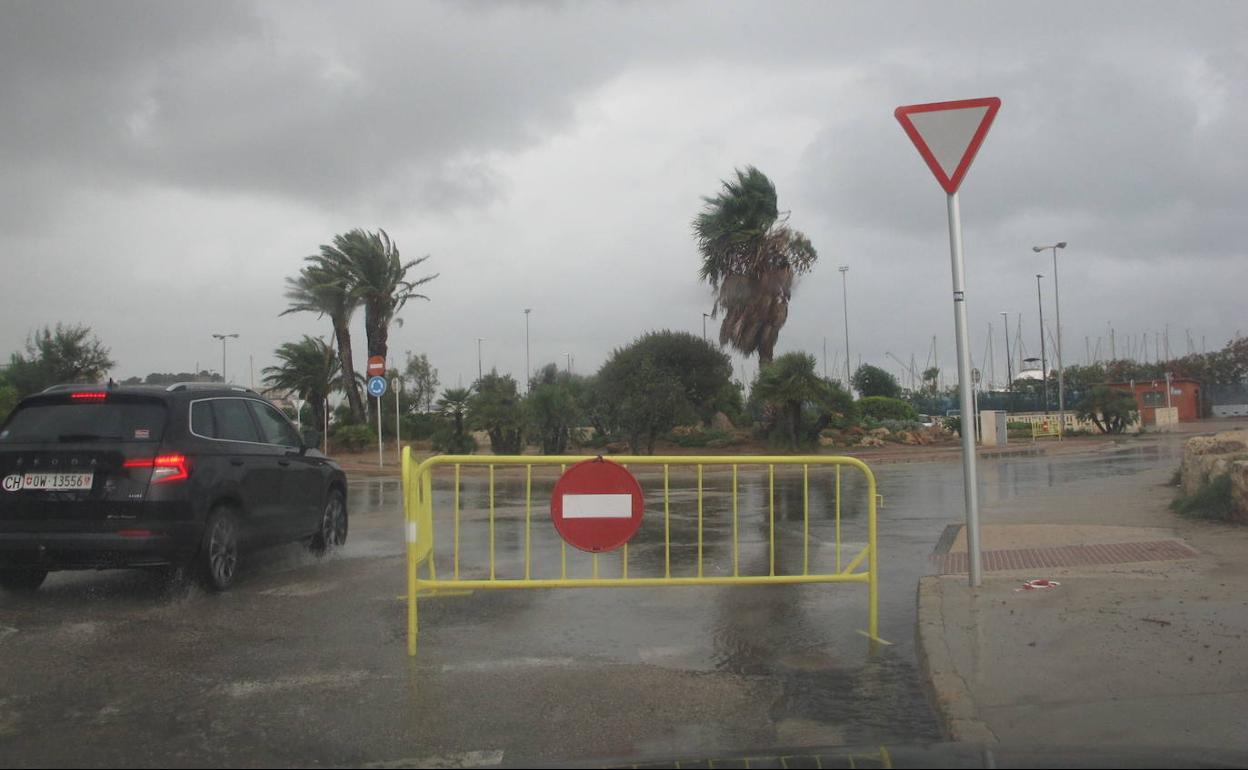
(166,166)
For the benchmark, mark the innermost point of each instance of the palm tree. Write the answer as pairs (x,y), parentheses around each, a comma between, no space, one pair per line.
(750,258)
(323,287)
(309,368)
(378,281)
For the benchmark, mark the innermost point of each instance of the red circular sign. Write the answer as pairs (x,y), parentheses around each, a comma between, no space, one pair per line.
(597,505)
(376,366)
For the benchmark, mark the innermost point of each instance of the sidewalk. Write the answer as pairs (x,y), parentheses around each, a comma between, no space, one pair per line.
(1143,643)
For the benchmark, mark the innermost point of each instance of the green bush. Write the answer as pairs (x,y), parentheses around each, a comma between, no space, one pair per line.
(1211,501)
(352,438)
(1018,425)
(447,441)
(885,408)
(420,426)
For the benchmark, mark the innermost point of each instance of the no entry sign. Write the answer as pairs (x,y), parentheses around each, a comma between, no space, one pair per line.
(597,505)
(376,366)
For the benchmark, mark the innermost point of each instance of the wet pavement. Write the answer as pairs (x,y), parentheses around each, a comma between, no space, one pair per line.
(303,662)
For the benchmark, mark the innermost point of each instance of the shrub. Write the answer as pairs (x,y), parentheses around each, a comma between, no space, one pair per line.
(353,438)
(1211,501)
(446,440)
(884,408)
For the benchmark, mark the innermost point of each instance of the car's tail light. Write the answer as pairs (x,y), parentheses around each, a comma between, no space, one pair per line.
(165,468)
(89,395)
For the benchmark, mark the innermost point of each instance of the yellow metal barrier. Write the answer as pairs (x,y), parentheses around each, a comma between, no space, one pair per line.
(419,511)
(1052,429)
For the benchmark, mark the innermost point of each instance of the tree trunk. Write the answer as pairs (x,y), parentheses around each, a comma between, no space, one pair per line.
(376,330)
(343,332)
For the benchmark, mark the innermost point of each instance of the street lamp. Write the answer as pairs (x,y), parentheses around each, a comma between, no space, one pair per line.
(568,358)
(223,338)
(704,317)
(845,303)
(528,367)
(1044,366)
(1061,373)
(1009,372)
(480,370)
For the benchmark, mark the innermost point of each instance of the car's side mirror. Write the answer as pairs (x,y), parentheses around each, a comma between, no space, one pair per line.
(311,438)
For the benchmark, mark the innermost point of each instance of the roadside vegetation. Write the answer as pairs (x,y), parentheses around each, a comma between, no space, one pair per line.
(1212,500)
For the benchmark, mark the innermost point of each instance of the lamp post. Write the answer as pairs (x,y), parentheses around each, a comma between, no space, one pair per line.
(845,303)
(568,359)
(223,338)
(704,317)
(1044,366)
(480,369)
(1061,372)
(528,367)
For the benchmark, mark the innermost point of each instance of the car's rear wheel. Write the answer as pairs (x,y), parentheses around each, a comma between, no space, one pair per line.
(218,554)
(22,579)
(333,530)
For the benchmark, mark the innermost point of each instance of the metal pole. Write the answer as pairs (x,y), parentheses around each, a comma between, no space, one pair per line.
(845,303)
(223,380)
(325,437)
(480,371)
(1044,365)
(1061,372)
(380,462)
(528,367)
(704,327)
(1009,366)
(969,476)
(398,443)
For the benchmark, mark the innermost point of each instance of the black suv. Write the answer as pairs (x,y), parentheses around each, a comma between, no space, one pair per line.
(189,475)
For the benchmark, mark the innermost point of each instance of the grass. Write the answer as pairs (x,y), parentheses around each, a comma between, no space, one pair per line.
(1211,501)
(1177,477)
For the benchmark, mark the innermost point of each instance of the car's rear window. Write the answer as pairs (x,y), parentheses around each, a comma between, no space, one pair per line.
(66,422)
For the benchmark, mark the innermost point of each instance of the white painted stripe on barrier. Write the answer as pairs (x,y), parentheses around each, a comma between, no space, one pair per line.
(597,506)
(411,532)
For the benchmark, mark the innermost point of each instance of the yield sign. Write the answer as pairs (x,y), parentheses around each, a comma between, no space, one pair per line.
(948,134)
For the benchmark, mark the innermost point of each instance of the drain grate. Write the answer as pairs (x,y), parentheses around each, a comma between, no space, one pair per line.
(1067,556)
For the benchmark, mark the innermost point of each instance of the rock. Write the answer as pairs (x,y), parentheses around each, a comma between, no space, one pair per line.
(854,430)
(908,438)
(871,441)
(686,430)
(721,422)
(827,441)
(616,447)
(1207,456)
(880,432)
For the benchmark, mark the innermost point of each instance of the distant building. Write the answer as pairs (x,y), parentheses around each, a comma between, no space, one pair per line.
(1151,394)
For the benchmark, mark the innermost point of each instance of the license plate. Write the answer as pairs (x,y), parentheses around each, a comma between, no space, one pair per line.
(57,482)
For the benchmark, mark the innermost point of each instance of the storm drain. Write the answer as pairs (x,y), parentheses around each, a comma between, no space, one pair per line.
(1067,556)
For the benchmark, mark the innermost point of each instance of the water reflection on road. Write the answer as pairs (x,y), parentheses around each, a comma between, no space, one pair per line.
(805,638)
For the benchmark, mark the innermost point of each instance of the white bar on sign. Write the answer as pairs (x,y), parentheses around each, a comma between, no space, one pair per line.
(597,506)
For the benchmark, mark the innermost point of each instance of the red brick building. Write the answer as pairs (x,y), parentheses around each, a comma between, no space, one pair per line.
(1151,394)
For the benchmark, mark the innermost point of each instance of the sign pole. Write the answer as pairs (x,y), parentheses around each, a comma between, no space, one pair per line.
(969,475)
(380,463)
(398,442)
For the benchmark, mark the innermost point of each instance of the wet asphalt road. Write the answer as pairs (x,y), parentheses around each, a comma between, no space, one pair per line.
(303,662)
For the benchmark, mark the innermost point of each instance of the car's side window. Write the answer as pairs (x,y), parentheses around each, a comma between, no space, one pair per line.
(202,423)
(274,426)
(234,421)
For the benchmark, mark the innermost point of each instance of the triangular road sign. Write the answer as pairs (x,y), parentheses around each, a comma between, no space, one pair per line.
(948,134)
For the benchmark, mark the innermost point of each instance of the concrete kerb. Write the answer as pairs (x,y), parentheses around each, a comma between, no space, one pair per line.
(946,690)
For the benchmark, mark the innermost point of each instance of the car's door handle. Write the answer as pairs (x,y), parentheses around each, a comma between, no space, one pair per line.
(283,462)
(236,461)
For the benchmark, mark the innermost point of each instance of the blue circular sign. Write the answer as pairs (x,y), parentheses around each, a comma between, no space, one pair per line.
(376,386)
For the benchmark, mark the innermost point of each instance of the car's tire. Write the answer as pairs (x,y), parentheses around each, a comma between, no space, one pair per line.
(218,558)
(24,580)
(333,530)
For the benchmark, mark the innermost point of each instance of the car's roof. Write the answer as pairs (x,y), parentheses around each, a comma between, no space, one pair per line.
(167,392)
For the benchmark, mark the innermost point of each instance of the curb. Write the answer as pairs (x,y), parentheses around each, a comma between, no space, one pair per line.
(946,689)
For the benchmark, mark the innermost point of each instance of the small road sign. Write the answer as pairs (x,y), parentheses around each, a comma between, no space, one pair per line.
(597,505)
(376,386)
(376,366)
